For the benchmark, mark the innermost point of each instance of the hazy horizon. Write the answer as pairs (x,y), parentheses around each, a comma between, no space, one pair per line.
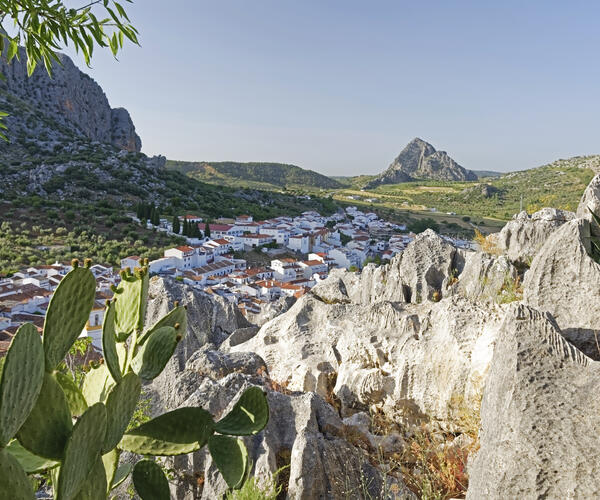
(340,88)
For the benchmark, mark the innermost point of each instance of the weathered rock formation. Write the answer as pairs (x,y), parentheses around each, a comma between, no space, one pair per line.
(522,237)
(70,98)
(420,160)
(540,416)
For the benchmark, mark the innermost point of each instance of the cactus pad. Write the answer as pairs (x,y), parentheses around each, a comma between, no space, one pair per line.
(14,484)
(130,304)
(110,461)
(96,385)
(230,457)
(150,481)
(82,452)
(21,382)
(155,353)
(178,315)
(248,416)
(177,432)
(109,342)
(49,425)
(68,312)
(75,399)
(121,474)
(120,405)
(94,486)
(31,463)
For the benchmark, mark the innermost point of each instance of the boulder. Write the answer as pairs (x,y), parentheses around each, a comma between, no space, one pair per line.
(540,416)
(564,281)
(522,237)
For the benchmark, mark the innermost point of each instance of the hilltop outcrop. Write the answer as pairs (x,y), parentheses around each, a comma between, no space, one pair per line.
(420,160)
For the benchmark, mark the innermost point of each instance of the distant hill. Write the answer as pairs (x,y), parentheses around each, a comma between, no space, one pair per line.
(487,173)
(559,184)
(419,160)
(258,175)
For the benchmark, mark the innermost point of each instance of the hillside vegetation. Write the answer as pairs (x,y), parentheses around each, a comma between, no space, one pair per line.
(559,184)
(258,175)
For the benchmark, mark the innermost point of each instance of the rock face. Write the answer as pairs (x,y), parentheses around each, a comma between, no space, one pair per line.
(522,237)
(564,281)
(484,277)
(540,416)
(72,99)
(420,160)
(304,433)
(590,201)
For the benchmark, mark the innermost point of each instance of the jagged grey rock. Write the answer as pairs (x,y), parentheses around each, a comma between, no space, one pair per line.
(411,359)
(564,281)
(304,433)
(210,320)
(522,237)
(540,416)
(71,98)
(420,160)
(484,277)
(590,201)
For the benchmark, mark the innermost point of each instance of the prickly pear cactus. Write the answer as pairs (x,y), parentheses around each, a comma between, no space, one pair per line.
(77,430)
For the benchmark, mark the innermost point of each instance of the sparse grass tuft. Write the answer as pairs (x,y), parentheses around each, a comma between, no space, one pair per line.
(487,244)
(511,291)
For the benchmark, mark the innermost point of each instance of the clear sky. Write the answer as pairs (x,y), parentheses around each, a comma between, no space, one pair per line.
(341,86)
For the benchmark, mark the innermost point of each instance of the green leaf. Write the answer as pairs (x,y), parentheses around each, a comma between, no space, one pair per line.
(174,433)
(97,384)
(94,487)
(230,457)
(68,312)
(249,415)
(150,481)
(22,379)
(31,463)
(110,462)
(178,315)
(121,474)
(154,355)
(75,399)
(109,343)
(82,452)
(120,406)
(14,484)
(130,303)
(49,425)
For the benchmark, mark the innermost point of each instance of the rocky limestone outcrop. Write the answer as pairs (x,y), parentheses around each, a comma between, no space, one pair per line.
(420,160)
(69,97)
(421,271)
(410,359)
(522,237)
(590,201)
(211,319)
(540,416)
(564,281)
(304,433)
(484,277)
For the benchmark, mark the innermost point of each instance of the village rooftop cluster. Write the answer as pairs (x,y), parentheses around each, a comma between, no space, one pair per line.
(301,251)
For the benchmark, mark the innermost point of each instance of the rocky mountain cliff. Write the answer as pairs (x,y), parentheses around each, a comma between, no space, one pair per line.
(420,160)
(367,367)
(69,98)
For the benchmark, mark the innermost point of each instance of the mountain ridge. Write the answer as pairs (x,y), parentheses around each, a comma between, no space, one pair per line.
(254,174)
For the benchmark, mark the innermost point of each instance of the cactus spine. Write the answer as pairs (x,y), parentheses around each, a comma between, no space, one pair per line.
(77,432)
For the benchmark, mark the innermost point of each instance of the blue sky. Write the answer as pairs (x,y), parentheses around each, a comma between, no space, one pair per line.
(341,86)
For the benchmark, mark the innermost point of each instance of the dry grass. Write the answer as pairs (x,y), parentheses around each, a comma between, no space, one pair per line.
(487,244)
